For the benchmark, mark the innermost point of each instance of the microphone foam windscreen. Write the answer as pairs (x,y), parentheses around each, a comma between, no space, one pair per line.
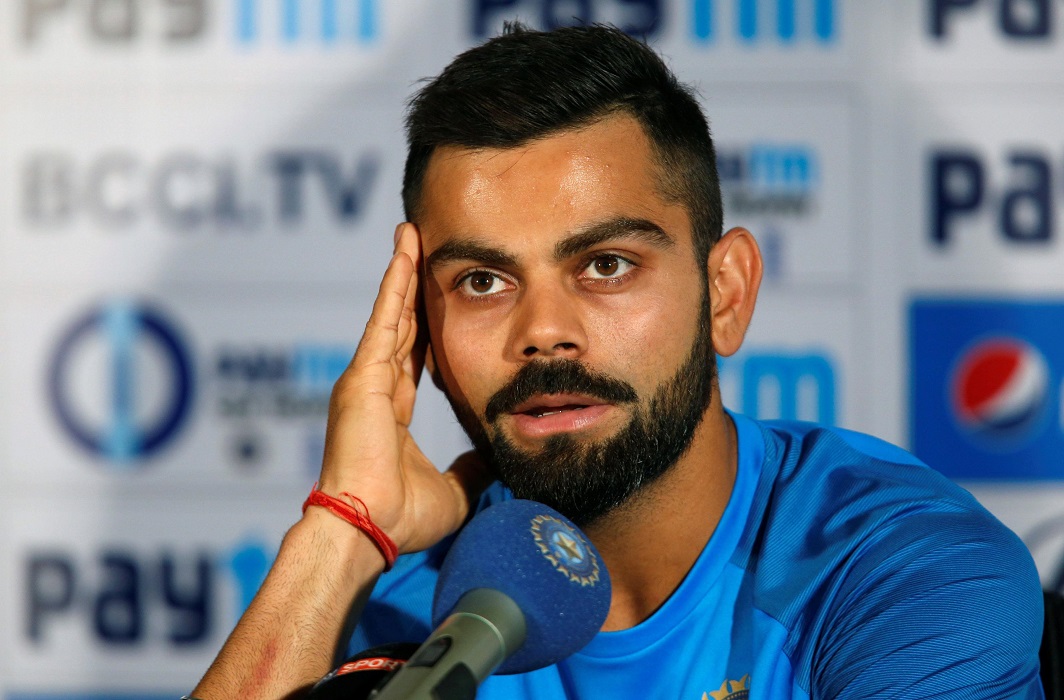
(545,564)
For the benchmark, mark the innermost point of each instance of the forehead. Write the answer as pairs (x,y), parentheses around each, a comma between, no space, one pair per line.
(545,188)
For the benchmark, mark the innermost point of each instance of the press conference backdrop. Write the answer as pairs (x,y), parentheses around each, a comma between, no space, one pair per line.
(196,204)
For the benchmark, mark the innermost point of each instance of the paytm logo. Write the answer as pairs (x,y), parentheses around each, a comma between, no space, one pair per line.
(785,385)
(637,17)
(187,22)
(777,183)
(1015,191)
(987,387)
(114,22)
(127,598)
(779,21)
(121,381)
(1015,20)
(768,178)
(314,21)
(293,382)
(749,21)
(272,386)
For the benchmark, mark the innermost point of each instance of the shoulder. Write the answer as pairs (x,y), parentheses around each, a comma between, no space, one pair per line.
(872,558)
(846,488)
(835,497)
(842,474)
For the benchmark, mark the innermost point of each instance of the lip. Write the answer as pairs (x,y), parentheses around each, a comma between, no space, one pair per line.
(549,401)
(542,416)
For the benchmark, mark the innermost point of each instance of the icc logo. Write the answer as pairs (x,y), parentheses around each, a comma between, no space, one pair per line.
(999,389)
(121,382)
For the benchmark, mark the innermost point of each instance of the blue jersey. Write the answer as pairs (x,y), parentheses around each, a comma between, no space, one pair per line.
(842,567)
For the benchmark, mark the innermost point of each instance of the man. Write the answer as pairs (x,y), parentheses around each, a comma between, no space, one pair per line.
(565,249)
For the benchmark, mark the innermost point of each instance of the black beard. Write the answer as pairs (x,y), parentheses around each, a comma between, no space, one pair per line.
(586,480)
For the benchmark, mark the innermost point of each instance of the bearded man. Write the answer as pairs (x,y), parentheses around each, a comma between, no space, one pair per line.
(564,277)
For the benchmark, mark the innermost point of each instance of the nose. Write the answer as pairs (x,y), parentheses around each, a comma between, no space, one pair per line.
(548,324)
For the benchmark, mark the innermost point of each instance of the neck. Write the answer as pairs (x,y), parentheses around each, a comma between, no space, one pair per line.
(650,543)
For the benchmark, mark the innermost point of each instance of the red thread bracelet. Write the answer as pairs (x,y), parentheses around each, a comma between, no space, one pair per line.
(360,519)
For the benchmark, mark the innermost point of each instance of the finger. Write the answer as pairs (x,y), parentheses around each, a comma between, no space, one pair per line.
(408,320)
(380,341)
(409,360)
(421,341)
(415,359)
(408,241)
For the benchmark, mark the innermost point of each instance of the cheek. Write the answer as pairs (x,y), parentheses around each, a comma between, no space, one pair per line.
(649,335)
(468,351)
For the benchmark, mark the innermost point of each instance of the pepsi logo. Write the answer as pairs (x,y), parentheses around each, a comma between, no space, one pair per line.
(999,389)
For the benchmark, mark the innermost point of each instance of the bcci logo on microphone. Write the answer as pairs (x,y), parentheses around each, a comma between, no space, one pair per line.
(987,387)
(565,549)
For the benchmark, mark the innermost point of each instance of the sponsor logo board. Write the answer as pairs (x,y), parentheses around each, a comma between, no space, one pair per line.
(710,41)
(795,371)
(191,391)
(986,387)
(784,384)
(120,432)
(125,24)
(775,23)
(160,192)
(133,598)
(976,41)
(207,41)
(787,178)
(986,174)
(362,40)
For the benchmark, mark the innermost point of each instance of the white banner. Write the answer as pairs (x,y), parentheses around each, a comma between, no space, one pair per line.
(196,205)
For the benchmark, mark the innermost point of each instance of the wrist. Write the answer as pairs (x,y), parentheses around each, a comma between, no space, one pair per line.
(352,510)
(337,541)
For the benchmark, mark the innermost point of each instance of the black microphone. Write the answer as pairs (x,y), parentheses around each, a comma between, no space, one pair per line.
(360,674)
(522,588)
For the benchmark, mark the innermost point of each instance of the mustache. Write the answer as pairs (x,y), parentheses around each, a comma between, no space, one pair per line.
(557,377)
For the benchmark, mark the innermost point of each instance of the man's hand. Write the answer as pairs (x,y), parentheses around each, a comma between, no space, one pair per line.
(287,638)
(369,451)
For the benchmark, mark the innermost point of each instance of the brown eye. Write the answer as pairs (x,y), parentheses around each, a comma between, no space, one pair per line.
(607,267)
(481,282)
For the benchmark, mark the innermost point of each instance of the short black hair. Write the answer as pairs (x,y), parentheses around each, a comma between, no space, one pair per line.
(526,84)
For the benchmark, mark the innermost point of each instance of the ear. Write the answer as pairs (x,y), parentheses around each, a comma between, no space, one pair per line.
(734,268)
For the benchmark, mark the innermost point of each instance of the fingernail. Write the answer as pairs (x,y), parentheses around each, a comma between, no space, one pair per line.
(398,234)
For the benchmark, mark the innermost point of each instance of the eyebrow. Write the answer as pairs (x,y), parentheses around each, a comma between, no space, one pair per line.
(468,250)
(618,228)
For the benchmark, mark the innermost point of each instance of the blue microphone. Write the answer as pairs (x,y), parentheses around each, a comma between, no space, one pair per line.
(521,588)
